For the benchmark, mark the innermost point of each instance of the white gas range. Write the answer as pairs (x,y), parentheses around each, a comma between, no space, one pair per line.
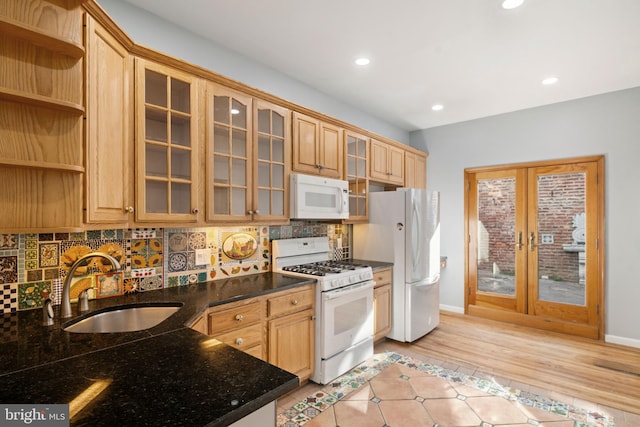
(344,303)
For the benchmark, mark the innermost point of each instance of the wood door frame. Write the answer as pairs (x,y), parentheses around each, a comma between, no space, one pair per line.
(591,331)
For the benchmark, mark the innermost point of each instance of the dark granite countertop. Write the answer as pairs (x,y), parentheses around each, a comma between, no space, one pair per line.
(166,375)
(375,265)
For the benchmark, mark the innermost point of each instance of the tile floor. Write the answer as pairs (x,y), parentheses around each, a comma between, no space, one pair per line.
(394,390)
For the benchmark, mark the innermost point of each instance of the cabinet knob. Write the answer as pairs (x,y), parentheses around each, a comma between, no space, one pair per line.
(256,212)
(239,341)
(250,212)
(294,302)
(129,209)
(195,210)
(239,317)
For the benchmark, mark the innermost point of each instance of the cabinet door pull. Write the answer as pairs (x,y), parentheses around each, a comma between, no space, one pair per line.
(195,210)
(239,341)
(239,317)
(294,302)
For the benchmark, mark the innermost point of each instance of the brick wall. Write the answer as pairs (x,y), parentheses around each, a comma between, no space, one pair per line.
(560,197)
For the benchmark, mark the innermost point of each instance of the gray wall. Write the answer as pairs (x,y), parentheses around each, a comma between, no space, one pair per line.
(154,32)
(606,124)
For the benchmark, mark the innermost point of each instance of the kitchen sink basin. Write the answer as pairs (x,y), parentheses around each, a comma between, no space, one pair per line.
(123,318)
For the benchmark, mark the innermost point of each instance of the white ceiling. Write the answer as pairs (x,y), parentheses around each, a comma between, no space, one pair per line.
(471,56)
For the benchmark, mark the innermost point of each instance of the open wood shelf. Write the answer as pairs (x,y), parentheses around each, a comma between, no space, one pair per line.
(40,101)
(31,164)
(38,37)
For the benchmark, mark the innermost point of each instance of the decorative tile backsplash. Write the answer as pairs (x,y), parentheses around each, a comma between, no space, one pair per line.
(33,266)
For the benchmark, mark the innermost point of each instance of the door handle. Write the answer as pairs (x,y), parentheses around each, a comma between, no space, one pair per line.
(519,244)
(532,238)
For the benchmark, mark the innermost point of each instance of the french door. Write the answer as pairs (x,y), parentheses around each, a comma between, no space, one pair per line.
(534,252)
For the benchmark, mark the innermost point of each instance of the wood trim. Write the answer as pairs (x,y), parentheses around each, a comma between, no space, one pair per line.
(555,325)
(538,163)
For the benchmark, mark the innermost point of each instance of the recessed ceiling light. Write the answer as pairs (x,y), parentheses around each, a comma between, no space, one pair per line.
(362,61)
(437,107)
(550,81)
(511,4)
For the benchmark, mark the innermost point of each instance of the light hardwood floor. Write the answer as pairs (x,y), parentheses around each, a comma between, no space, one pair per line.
(595,371)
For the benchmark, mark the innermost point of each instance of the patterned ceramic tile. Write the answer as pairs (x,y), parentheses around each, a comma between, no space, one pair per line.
(8,241)
(9,298)
(151,283)
(8,269)
(8,329)
(109,284)
(49,255)
(131,285)
(45,237)
(32,294)
(146,253)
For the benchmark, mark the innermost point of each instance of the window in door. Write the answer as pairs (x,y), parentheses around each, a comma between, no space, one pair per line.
(534,250)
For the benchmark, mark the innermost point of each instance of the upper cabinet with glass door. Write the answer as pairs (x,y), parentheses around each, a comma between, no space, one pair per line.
(247,152)
(272,153)
(166,144)
(356,155)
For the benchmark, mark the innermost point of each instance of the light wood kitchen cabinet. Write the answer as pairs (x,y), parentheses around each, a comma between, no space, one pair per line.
(382,303)
(247,158)
(387,163)
(415,170)
(356,154)
(291,331)
(317,147)
(109,134)
(278,328)
(167,163)
(41,125)
(240,325)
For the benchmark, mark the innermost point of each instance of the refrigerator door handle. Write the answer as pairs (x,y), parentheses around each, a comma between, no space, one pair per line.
(417,230)
(426,283)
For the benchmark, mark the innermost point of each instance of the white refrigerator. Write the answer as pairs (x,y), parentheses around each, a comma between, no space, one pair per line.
(404,229)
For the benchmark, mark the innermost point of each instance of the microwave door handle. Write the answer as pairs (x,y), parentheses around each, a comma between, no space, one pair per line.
(344,199)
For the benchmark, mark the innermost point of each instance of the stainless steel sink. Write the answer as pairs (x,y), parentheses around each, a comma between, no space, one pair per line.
(127,318)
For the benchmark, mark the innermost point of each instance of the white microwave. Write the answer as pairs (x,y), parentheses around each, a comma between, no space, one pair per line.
(316,197)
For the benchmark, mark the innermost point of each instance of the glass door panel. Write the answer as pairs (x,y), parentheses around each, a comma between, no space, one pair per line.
(165,144)
(561,238)
(270,168)
(497,270)
(563,256)
(496,264)
(356,175)
(228,155)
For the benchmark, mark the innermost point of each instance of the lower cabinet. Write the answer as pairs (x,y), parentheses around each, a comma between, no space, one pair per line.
(277,328)
(382,303)
(291,343)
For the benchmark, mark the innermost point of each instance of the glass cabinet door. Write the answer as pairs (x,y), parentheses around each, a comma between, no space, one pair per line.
(167,149)
(271,151)
(228,155)
(356,175)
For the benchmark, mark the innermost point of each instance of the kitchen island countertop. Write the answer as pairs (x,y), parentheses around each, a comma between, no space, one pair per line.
(166,375)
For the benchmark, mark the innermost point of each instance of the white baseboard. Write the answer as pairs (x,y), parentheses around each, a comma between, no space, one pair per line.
(452,308)
(630,342)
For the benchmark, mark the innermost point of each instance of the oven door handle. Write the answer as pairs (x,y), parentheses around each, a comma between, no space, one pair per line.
(347,290)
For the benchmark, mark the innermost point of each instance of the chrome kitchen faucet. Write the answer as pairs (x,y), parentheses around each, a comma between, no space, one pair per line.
(65,309)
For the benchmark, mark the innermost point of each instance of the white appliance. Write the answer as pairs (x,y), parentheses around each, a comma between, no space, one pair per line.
(316,197)
(344,303)
(404,228)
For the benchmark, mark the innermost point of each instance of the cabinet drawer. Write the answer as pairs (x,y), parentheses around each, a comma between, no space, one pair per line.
(382,277)
(236,317)
(243,338)
(291,302)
